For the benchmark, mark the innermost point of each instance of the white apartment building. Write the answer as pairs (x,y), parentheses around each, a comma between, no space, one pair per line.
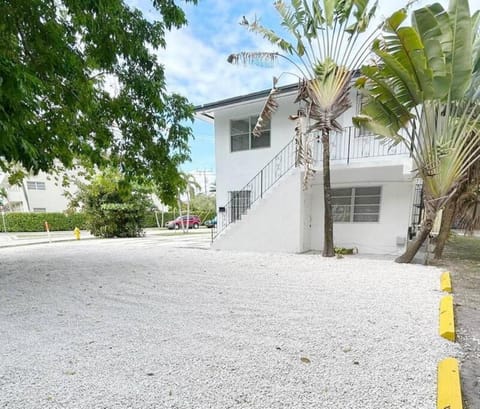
(37,193)
(262,204)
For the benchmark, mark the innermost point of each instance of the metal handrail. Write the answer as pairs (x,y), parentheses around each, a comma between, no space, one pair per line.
(354,143)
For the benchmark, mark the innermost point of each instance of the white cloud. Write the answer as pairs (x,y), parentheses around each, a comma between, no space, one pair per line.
(197,69)
(196,56)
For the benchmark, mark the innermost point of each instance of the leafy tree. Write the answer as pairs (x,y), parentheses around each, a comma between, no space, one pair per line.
(421,92)
(327,45)
(58,60)
(203,204)
(114,206)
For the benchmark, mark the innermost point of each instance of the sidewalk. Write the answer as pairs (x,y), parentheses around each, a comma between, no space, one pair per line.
(29,238)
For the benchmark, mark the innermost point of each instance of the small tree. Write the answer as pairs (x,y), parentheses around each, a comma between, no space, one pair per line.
(113,206)
(421,92)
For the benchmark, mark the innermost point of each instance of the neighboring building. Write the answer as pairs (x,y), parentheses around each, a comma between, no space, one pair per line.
(39,193)
(262,205)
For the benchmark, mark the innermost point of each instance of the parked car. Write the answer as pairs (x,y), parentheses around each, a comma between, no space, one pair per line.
(211,223)
(191,221)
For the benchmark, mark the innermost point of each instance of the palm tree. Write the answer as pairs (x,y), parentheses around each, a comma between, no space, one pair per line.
(419,93)
(188,188)
(327,45)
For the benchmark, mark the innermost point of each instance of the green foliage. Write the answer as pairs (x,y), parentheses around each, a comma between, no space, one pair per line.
(35,222)
(416,93)
(203,204)
(114,207)
(57,59)
(150,219)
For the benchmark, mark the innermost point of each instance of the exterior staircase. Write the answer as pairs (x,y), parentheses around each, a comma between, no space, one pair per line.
(256,188)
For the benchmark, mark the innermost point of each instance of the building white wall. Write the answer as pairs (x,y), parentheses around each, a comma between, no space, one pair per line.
(388,235)
(302,211)
(273,224)
(235,169)
(52,199)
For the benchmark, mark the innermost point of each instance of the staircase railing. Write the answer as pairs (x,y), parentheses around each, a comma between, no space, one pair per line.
(241,200)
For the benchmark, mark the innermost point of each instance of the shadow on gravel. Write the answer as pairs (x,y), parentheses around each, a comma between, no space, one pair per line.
(462,259)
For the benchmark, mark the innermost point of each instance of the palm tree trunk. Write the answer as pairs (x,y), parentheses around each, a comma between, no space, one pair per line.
(423,234)
(447,221)
(328,249)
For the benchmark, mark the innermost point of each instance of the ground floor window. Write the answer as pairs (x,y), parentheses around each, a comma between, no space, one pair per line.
(356,204)
(239,204)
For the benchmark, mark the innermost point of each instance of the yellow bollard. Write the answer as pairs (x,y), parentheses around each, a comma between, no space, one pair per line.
(76,232)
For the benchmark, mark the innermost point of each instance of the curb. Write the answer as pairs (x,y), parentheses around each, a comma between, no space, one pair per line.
(447,321)
(34,243)
(448,380)
(449,390)
(446,282)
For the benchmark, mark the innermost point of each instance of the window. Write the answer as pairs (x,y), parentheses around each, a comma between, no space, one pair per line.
(239,203)
(33,185)
(39,210)
(241,137)
(356,204)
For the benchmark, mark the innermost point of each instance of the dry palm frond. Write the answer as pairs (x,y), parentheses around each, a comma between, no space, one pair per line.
(468,207)
(253,57)
(304,150)
(268,109)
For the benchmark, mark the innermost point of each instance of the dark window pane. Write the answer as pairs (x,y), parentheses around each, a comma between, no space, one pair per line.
(367,209)
(241,126)
(262,141)
(365,218)
(368,191)
(239,142)
(341,200)
(359,200)
(342,192)
(341,213)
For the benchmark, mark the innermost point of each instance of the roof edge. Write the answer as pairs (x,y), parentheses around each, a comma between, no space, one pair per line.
(205,108)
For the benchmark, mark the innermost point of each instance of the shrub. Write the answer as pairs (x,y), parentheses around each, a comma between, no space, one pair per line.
(34,222)
(113,206)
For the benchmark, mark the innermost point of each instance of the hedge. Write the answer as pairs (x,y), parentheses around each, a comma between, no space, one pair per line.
(31,222)
(34,222)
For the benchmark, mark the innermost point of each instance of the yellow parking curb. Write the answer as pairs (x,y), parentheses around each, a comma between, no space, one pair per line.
(447,322)
(446,282)
(449,393)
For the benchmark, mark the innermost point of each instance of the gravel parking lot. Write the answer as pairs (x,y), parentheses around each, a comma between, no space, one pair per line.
(134,324)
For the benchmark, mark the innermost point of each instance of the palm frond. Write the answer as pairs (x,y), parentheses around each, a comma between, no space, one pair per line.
(270,106)
(253,57)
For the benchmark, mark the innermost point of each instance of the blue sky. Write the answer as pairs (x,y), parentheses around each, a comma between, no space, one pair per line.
(195,57)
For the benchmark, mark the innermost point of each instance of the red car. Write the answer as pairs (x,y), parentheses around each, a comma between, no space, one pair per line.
(191,221)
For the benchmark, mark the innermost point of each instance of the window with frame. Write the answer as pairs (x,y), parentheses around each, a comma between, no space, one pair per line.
(239,203)
(356,204)
(39,210)
(241,137)
(34,185)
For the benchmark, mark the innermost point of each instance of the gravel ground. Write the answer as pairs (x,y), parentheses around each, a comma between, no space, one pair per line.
(130,324)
